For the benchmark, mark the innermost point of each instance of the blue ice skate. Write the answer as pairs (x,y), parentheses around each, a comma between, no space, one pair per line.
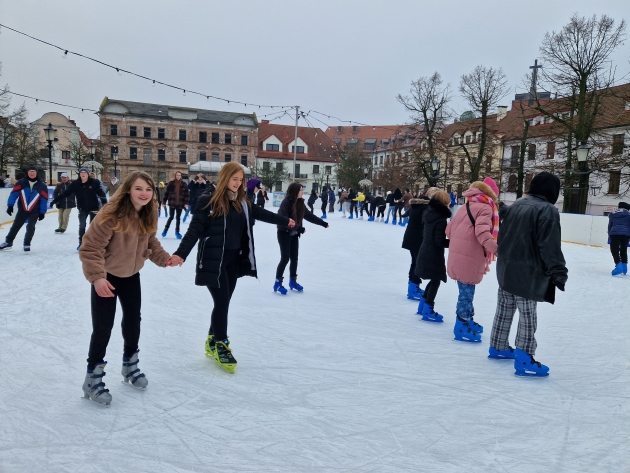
(413,291)
(164,233)
(464,332)
(278,287)
(350,217)
(394,221)
(178,235)
(507,354)
(371,219)
(295,286)
(386,221)
(324,216)
(421,305)
(474,325)
(624,267)
(525,365)
(429,314)
(618,269)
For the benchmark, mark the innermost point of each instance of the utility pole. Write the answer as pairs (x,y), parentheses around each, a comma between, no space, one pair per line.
(297,115)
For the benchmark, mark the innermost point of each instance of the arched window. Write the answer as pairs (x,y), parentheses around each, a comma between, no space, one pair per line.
(512,182)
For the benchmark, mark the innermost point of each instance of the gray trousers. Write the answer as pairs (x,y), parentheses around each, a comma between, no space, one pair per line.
(527,320)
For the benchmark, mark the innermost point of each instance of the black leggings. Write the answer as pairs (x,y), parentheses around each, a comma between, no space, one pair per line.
(412,269)
(289,249)
(223,294)
(431,291)
(399,209)
(173,213)
(324,204)
(353,207)
(310,206)
(619,248)
(20,218)
(381,211)
(127,291)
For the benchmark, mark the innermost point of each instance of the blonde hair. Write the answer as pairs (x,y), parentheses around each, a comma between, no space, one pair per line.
(121,209)
(430,192)
(442,197)
(220,201)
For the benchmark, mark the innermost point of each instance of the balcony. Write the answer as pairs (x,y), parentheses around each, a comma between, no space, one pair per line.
(299,176)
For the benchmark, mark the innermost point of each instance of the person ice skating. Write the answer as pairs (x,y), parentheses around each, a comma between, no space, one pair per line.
(7,180)
(176,196)
(405,206)
(473,233)
(31,195)
(223,225)
(619,234)
(65,205)
(352,198)
(159,189)
(344,204)
(530,266)
(360,200)
(379,203)
(412,240)
(196,188)
(262,198)
(289,238)
(113,186)
(398,205)
(331,200)
(311,200)
(430,262)
(89,197)
(324,197)
(114,249)
(391,210)
(253,186)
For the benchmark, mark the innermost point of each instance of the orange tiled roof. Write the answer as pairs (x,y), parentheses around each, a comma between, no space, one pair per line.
(320,146)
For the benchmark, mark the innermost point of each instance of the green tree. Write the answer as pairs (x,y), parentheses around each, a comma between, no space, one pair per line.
(271,171)
(351,167)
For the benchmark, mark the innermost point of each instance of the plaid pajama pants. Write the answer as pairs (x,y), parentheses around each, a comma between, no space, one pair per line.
(506,307)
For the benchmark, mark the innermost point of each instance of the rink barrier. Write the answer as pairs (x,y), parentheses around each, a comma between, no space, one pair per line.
(5,218)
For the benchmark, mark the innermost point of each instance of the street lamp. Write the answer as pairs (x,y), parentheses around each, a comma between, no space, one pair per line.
(92,151)
(582,156)
(435,171)
(327,176)
(50,133)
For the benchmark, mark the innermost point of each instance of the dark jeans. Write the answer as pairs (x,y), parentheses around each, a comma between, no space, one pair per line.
(412,269)
(372,210)
(20,219)
(353,207)
(431,291)
(618,248)
(289,249)
(324,204)
(223,294)
(173,213)
(127,291)
(83,216)
(310,206)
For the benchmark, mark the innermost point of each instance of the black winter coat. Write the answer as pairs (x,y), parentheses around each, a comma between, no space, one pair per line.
(87,194)
(529,259)
(390,199)
(413,232)
(312,198)
(379,201)
(196,190)
(67,202)
(210,233)
(285,210)
(261,198)
(431,263)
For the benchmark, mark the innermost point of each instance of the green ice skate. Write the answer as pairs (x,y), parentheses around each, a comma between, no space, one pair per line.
(224,357)
(211,349)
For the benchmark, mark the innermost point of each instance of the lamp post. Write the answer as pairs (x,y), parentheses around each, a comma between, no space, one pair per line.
(50,133)
(582,156)
(115,158)
(366,170)
(92,151)
(327,176)
(435,171)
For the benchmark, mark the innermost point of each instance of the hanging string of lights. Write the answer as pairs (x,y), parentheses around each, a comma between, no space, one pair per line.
(37,100)
(120,72)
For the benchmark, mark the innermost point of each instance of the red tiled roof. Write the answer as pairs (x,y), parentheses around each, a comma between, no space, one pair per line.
(363,133)
(320,146)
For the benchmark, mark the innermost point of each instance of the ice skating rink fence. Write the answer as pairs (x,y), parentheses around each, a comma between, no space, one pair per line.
(4,197)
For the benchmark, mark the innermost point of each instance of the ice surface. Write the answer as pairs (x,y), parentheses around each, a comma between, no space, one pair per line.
(343,377)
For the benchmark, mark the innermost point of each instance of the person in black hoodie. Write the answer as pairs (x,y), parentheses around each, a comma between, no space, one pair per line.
(289,238)
(391,210)
(311,200)
(379,204)
(398,204)
(324,197)
(352,195)
(224,227)
(89,194)
(431,263)
(530,266)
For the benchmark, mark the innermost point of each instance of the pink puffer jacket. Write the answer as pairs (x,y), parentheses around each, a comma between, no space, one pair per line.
(469,246)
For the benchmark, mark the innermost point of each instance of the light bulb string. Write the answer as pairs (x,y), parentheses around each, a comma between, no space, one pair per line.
(49,101)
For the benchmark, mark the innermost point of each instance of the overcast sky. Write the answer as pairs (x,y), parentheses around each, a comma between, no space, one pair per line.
(347,58)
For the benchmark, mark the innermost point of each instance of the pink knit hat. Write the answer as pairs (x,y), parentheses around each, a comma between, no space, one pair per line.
(493,185)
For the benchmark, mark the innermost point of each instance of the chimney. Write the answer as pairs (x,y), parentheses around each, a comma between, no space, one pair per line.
(501,112)
(264,121)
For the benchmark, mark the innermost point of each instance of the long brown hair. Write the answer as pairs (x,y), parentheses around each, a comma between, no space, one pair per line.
(121,209)
(298,208)
(220,201)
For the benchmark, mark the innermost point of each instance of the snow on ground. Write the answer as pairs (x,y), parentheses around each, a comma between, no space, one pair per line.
(343,377)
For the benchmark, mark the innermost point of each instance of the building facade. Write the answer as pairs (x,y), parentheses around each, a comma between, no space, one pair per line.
(164,139)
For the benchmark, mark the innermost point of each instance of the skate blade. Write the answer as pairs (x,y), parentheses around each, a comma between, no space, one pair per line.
(127,383)
(229,367)
(432,320)
(211,355)
(88,398)
(470,340)
(500,357)
(530,374)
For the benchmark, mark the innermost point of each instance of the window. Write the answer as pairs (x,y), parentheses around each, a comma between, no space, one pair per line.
(328,169)
(228,158)
(161,176)
(215,157)
(161,155)
(613,182)
(244,140)
(244,160)
(272,147)
(528,180)
(182,156)
(315,168)
(113,130)
(133,131)
(468,138)
(297,170)
(182,135)
(266,165)
(133,153)
(202,156)
(449,188)
(337,141)
(146,156)
(279,167)
(113,150)
(278,187)
(512,182)
(339,129)
(461,167)
(354,128)
(65,155)
(228,138)
(488,165)
(514,156)
(460,190)
(147,132)
(203,137)
(380,161)
(531,152)
(451,166)
(162,133)
(617,146)
(551,150)
(215,138)
(300,149)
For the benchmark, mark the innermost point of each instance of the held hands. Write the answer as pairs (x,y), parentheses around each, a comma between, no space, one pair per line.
(291,223)
(104,288)
(174,260)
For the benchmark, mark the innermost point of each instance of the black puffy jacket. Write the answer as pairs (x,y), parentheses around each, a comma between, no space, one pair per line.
(431,263)
(210,233)
(88,194)
(413,232)
(530,259)
(285,210)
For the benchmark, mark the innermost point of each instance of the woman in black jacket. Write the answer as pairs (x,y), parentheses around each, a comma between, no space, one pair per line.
(311,200)
(431,263)
(224,227)
(412,242)
(289,238)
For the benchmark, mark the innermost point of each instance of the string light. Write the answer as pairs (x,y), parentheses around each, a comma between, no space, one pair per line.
(184,92)
(119,73)
(153,85)
(37,100)
(65,54)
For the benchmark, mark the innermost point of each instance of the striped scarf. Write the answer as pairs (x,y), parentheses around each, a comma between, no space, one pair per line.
(484,199)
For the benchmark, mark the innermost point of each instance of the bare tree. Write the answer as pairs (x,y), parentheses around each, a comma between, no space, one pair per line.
(483,88)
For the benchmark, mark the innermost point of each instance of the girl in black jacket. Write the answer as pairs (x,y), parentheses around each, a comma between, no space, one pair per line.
(223,225)
(311,200)
(412,242)
(431,264)
(289,238)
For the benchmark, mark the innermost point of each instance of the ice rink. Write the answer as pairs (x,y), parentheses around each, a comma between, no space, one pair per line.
(341,378)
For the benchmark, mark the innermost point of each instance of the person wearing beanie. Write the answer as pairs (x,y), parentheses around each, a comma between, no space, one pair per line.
(113,186)
(65,205)
(89,197)
(177,197)
(530,266)
(619,236)
(473,233)
(31,194)
(253,186)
